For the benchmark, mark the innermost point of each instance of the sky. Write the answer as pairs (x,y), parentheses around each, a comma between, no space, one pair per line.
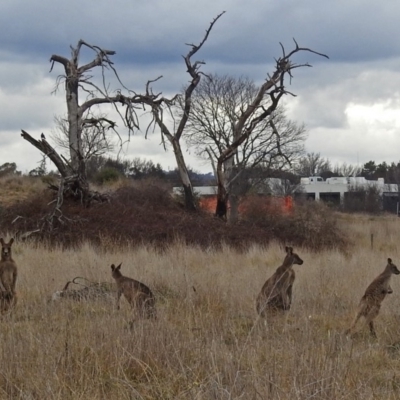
(349,103)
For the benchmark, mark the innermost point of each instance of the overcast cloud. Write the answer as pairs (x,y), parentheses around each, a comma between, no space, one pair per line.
(349,103)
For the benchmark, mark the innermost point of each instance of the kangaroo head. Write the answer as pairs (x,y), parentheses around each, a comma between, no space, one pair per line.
(115,271)
(6,249)
(291,257)
(393,268)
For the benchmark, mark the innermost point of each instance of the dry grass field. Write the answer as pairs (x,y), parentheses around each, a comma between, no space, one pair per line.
(207,342)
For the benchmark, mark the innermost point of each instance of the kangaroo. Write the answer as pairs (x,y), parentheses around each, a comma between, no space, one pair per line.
(8,276)
(375,293)
(276,294)
(139,296)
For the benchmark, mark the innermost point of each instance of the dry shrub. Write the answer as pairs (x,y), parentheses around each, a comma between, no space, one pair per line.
(309,224)
(139,213)
(146,213)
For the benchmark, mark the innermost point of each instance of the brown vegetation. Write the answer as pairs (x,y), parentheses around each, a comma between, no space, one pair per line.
(208,343)
(310,224)
(146,213)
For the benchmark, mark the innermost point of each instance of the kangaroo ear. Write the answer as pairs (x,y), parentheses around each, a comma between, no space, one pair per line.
(389,260)
(11,241)
(289,250)
(119,266)
(2,241)
(112,267)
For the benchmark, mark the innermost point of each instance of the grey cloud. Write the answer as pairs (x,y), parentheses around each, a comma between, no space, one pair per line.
(15,150)
(354,146)
(30,108)
(325,92)
(149,37)
(17,76)
(156,31)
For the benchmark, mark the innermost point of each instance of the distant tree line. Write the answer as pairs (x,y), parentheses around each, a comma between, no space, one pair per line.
(9,169)
(390,172)
(102,169)
(313,164)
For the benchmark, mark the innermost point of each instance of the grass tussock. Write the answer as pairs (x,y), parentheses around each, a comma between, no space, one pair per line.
(207,342)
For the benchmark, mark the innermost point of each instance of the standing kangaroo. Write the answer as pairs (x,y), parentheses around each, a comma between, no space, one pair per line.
(276,294)
(8,276)
(376,292)
(139,296)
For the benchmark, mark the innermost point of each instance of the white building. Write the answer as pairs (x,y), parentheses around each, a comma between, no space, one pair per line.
(331,190)
(336,187)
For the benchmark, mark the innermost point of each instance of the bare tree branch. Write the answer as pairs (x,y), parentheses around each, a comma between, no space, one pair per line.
(250,118)
(159,105)
(46,149)
(217,105)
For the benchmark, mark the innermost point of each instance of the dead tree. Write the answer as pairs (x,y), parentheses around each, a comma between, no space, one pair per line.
(77,79)
(254,114)
(160,106)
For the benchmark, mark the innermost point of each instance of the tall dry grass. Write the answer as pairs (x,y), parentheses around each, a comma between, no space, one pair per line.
(207,342)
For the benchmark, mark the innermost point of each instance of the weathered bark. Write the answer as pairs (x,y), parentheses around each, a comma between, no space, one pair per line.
(222,194)
(74,115)
(225,180)
(74,75)
(222,203)
(190,203)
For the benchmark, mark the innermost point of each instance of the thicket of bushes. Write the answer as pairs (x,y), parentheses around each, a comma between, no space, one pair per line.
(310,224)
(146,213)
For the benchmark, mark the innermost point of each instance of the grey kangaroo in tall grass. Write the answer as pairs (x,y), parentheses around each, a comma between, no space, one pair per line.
(276,294)
(370,303)
(8,276)
(139,296)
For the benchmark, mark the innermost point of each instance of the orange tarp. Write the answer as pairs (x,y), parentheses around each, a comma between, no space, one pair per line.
(284,204)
